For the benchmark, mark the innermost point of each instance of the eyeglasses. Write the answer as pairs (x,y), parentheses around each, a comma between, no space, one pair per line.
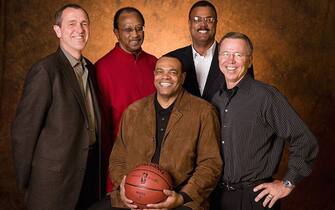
(138,29)
(197,19)
(236,55)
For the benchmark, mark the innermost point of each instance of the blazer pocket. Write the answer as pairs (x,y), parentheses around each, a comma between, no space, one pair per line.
(52,165)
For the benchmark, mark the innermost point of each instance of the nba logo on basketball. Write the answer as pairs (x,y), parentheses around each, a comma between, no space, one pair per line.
(144,178)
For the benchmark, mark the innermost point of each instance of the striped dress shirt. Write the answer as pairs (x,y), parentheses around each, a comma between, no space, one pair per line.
(256,122)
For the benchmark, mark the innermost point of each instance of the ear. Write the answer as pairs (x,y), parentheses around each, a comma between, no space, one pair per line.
(250,62)
(58,31)
(116,32)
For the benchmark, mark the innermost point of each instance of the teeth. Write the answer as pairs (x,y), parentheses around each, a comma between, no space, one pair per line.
(202,31)
(231,68)
(165,84)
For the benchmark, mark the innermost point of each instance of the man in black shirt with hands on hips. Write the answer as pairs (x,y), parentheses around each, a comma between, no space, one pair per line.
(256,121)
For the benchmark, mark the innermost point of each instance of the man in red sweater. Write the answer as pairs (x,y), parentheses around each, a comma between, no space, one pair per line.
(125,74)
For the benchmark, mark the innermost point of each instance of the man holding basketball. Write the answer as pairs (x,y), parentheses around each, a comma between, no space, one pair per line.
(174,129)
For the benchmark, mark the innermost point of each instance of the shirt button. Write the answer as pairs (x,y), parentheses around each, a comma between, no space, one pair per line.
(226,110)
(162,129)
(222,142)
(163,119)
(224,126)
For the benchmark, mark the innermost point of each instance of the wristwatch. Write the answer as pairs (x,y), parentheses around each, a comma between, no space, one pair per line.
(288,184)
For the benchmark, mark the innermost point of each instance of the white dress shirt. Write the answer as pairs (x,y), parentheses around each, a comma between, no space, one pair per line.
(202,64)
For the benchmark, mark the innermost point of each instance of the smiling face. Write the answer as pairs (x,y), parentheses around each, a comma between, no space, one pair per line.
(130,32)
(234,60)
(168,78)
(202,32)
(73,31)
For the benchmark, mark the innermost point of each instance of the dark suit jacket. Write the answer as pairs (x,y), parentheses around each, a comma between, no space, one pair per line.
(50,136)
(215,78)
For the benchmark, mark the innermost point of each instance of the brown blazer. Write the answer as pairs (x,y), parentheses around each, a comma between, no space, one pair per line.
(49,134)
(190,146)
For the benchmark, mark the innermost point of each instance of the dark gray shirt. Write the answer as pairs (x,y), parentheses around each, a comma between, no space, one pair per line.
(256,121)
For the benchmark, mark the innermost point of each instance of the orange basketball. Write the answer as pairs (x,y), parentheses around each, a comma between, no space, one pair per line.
(145,184)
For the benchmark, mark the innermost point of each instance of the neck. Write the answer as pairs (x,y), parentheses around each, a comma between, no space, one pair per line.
(134,53)
(202,48)
(74,53)
(165,102)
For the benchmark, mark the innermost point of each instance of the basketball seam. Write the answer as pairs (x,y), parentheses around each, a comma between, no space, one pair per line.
(143,187)
(156,174)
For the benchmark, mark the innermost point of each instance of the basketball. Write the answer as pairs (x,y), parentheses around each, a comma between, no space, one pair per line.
(145,184)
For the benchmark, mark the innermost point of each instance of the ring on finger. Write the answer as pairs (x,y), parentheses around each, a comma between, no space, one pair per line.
(270,196)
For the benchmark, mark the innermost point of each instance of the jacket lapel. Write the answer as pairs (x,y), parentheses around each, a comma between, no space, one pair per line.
(94,90)
(215,77)
(176,114)
(71,79)
(150,117)
(191,81)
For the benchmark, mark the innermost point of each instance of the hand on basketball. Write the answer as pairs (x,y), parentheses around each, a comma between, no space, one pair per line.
(172,201)
(125,200)
(272,192)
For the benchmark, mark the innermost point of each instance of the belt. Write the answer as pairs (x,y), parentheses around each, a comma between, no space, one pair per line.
(228,186)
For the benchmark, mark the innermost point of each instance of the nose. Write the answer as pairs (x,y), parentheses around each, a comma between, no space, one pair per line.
(80,28)
(134,33)
(231,58)
(203,23)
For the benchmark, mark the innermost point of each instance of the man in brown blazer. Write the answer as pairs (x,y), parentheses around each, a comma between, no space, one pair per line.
(174,129)
(56,131)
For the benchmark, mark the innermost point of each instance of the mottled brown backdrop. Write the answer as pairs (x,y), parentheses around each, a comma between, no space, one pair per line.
(294,50)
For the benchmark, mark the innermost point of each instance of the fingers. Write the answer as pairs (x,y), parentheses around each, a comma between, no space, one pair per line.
(267,200)
(125,200)
(168,192)
(273,201)
(262,194)
(259,187)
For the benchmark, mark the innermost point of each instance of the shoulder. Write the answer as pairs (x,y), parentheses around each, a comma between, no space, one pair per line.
(148,55)
(138,106)
(110,56)
(197,104)
(49,64)
(179,51)
(266,91)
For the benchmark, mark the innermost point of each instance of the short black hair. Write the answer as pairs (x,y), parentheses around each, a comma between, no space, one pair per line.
(127,10)
(238,35)
(175,57)
(59,12)
(202,4)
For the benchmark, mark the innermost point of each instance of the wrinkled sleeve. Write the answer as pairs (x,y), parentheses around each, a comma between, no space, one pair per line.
(208,163)
(117,164)
(303,146)
(29,121)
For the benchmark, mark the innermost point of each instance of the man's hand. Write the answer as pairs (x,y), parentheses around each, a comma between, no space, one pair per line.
(172,201)
(272,192)
(125,200)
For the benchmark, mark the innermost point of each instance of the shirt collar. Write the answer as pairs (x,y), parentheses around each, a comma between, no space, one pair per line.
(73,61)
(209,52)
(127,54)
(159,108)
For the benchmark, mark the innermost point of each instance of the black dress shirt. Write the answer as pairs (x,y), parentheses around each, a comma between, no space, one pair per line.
(162,119)
(256,121)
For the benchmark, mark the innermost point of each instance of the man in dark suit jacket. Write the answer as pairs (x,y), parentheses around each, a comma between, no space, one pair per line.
(56,131)
(200,59)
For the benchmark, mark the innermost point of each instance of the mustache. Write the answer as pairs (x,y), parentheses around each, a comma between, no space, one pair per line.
(203,28)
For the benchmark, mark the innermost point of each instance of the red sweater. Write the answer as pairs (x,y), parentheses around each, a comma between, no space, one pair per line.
(122,79)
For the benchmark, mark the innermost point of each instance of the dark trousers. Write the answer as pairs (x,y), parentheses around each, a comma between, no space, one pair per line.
(89,190)
(239,199)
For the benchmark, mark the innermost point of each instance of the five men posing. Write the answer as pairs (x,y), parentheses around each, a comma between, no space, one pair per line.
(57,132)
